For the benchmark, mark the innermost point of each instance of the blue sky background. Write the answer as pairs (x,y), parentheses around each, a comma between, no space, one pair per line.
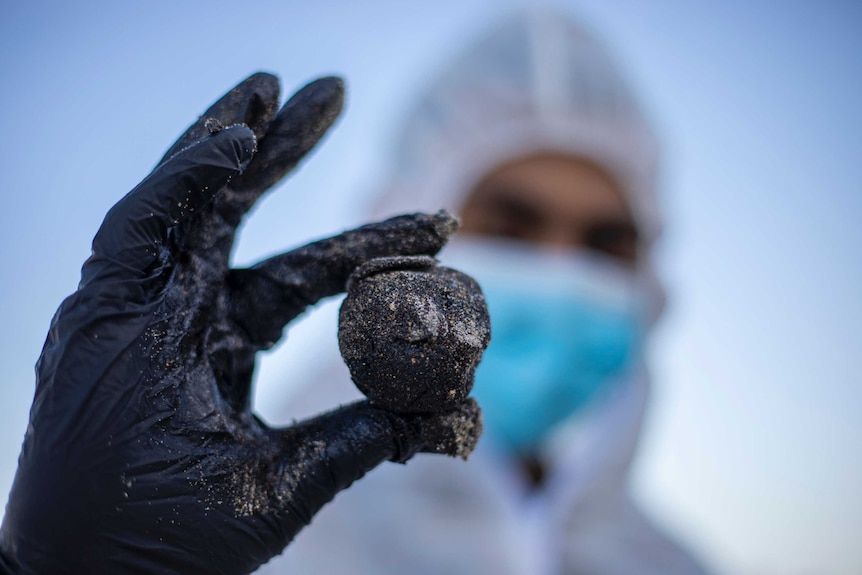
(753,451)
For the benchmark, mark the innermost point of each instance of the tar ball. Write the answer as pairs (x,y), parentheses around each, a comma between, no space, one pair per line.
(412,333)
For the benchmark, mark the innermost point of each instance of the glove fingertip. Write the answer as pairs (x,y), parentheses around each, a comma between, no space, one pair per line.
(326,93)
(445,224)
(261,79)
(260,91)
(253,102)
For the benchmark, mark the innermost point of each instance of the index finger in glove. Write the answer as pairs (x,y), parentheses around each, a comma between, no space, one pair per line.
(253,102)
(133,236)
(273,292)
(299,125)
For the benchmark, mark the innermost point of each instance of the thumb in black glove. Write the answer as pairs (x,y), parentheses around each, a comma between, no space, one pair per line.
(142,454)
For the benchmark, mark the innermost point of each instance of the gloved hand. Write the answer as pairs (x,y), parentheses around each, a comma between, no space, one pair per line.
(142,454)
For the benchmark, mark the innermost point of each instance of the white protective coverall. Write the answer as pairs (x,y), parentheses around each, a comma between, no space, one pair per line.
(537,82)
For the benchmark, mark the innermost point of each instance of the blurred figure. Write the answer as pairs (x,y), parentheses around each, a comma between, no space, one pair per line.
(535,139)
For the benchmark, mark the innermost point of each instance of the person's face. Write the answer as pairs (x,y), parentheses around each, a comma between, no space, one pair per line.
(556,201)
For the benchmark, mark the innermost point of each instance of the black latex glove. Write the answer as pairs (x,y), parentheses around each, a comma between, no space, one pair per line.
(142,454)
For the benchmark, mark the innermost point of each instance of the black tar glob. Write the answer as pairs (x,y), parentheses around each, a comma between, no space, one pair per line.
(412,333)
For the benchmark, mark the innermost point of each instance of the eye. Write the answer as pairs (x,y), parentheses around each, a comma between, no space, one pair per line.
(618,239)
(501,213)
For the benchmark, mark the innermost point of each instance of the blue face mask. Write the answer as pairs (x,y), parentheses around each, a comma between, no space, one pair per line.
(564,328)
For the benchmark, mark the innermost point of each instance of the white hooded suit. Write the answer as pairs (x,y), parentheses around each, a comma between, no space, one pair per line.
(538,82)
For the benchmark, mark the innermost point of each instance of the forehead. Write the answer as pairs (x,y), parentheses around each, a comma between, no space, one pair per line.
(561,186)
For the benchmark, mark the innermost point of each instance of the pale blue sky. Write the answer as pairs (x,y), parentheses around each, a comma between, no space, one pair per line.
(753,452)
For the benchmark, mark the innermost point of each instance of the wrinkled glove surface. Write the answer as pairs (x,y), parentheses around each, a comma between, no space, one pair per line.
(142,454)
